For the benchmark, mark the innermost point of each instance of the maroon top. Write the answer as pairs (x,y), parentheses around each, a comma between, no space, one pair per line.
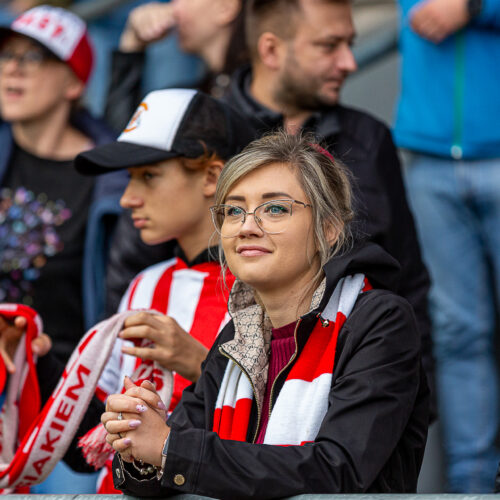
(282,348)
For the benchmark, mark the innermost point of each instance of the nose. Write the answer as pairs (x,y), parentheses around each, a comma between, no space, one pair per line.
(250,227)
(11,66)
(346,61)
(130,199)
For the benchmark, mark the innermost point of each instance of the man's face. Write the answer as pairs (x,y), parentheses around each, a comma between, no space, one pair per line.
(34,87)
(318,58)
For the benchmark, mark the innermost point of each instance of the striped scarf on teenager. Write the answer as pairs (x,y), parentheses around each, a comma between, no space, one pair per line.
(32,447)
(303,400)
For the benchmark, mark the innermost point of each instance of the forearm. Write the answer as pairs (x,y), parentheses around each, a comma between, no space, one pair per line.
(125,88)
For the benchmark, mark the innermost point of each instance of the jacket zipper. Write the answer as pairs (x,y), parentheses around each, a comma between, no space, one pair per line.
(253,390)
(294,355)
(458,97)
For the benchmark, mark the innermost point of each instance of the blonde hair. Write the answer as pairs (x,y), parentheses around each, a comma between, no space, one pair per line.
(324,180)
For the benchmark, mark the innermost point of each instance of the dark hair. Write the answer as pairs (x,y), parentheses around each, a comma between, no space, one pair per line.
(276,16)
(237,51)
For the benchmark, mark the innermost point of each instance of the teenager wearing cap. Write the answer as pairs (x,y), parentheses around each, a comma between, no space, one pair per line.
(46,206)
(173,159)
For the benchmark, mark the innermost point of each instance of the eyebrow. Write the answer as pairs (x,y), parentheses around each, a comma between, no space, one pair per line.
(335,39)
(265,196)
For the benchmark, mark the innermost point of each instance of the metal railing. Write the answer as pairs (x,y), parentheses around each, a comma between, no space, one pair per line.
(298,497)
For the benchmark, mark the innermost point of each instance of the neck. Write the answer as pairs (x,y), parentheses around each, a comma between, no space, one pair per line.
(199,238)
(262,89)
(214,53)
(50,136)
(288,303)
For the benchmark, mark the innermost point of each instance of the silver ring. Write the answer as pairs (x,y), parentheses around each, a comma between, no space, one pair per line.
(120,416)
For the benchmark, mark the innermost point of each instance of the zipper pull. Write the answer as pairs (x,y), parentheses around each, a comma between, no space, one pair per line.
(324,322)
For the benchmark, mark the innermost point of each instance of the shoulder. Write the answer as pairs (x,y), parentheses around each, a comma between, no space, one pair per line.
(157,270)
(94,128)
(361,130)
(141,289)
(386,317)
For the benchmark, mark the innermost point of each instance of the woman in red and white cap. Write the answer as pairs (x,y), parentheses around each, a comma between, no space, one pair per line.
(46,206)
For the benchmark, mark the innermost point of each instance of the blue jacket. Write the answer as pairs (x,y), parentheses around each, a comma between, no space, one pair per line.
(449,104)
(102,213)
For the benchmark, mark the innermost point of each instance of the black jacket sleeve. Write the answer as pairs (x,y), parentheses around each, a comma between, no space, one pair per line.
(125,89)
(371,403)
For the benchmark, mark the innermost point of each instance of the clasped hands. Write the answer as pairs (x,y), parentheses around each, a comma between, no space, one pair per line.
(142,430)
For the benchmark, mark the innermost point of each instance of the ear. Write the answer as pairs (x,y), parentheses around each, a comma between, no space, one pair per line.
(227,11)
(272,50)
(74,88)
(210,178)
(332,233)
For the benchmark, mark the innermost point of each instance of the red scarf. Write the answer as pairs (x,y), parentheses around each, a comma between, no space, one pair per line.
(303,400)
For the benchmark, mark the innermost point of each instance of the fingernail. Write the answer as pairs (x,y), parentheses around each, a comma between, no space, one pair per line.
(161,406)
(133,424)
(141,408)
(127,441)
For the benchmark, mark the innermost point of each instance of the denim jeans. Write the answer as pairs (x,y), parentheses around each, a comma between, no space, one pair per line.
(456,205)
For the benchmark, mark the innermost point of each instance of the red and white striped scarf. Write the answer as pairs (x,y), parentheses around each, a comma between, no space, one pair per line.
(303,400)
(196,298)
(28,456)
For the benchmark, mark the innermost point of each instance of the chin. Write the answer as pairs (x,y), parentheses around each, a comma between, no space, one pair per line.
(152,239)
(13,115)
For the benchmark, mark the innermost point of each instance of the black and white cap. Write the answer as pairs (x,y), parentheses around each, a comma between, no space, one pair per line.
(168,124)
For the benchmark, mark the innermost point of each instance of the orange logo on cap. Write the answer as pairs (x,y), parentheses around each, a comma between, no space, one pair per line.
(135,121)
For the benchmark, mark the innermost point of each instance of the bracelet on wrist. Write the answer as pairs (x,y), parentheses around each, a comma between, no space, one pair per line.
(159,470)
(144,469)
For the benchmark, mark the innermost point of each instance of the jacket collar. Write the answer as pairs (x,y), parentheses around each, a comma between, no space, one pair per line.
(208,255)
(323,123)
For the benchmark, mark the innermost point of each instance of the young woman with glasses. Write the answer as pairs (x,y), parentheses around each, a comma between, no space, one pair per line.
(315,385)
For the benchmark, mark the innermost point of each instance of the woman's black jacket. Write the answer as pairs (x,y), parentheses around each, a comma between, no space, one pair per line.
(372,438)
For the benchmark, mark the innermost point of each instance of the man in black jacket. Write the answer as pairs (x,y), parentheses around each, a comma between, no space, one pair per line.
(301,55)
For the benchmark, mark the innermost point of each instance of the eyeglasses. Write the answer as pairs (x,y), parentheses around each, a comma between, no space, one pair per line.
(30,61)
(272,217)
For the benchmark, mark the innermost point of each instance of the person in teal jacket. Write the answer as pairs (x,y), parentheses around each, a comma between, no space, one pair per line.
(447,119)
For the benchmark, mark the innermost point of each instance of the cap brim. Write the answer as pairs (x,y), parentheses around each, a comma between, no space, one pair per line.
(6,31)
(119,155)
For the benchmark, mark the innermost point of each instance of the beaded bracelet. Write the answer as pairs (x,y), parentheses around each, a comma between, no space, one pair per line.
(144,469)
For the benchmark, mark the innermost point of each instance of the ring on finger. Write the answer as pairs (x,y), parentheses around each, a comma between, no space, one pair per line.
(120,416)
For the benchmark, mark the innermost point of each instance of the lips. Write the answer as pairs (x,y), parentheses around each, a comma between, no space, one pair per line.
(252,251)
(12,92)
(139,222)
